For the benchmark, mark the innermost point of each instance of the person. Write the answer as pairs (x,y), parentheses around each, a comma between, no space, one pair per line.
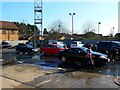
(89,60)
(113,55)
(65,47)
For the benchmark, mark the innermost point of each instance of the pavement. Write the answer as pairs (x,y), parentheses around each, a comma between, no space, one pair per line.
(21,75)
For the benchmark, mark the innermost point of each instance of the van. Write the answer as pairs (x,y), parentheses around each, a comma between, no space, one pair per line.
(76,44)
(59,43)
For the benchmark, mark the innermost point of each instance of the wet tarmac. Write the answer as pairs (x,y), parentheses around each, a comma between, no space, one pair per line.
(52,62)
(74,75)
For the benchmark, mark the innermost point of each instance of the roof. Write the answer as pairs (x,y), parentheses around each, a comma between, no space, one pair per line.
(36,37)
(8,25)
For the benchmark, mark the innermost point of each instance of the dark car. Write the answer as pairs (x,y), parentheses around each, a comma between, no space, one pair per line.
(22,48)
(107,46)
(79,55)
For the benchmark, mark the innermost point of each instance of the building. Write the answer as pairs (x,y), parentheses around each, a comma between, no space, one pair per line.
(8,31)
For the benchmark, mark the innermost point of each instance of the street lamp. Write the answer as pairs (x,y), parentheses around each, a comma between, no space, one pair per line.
(113,30)
(72,14)
(99,27)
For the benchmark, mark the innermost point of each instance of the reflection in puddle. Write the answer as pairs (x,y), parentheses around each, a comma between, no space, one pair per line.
(49,62)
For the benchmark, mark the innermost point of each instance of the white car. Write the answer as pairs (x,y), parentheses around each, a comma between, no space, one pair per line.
(76,44)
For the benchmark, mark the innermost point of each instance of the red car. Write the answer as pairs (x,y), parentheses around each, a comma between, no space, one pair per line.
(51,49)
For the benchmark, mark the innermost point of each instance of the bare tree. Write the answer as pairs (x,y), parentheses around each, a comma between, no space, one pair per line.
(59,27)
(88,27)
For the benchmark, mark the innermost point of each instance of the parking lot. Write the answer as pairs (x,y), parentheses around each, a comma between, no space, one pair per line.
(72,71)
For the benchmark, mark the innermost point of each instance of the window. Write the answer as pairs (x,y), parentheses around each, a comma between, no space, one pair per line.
(12,31)
(3,31)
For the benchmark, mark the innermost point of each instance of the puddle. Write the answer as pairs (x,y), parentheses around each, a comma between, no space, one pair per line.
(51,62)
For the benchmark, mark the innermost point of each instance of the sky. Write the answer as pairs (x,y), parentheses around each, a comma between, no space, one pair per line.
(105,12)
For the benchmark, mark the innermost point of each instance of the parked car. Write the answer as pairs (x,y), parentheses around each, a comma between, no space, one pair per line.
(23,48)
(107,46)
(52,49)
(76,44)
(78,55)
(5,44)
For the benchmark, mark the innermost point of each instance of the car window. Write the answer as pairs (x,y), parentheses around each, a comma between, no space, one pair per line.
(74,43)
(103,44)
(59,46)
(54,43)
(74,50)
(47,46)
(69,50)
(114,45)
(51,46)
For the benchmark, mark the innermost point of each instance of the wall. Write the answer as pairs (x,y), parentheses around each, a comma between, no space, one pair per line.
(11,36)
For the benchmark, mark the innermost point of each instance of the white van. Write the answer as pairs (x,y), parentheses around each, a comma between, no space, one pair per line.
(76,44)
(59,43)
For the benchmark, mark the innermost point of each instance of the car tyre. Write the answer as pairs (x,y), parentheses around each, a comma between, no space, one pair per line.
(17,52)
(21,52)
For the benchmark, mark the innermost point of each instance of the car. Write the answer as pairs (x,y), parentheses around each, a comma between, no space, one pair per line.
(107,46)
(24,49)
(52,49)
(76,44)
(79,55)
(5,44)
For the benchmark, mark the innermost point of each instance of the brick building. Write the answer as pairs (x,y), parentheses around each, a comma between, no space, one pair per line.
(8,31)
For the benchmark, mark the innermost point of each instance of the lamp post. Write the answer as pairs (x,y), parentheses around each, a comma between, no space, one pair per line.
(72,14)
(113,31)
(99,27)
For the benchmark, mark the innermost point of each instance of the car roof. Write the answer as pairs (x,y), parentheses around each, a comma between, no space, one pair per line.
(55,44)
(108,42)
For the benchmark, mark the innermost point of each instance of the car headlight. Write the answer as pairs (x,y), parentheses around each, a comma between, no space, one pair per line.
(35,50)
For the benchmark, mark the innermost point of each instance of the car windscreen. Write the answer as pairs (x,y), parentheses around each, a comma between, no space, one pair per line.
(84,49)
(59,46)
(119,43)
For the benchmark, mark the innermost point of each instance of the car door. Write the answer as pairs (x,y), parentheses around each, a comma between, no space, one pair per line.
(46,49)
(75,53)
(50,49)
(79,54)
(53,49)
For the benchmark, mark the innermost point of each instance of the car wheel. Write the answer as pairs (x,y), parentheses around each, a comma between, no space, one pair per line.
(21,52)
(26,52)
(63,59)
(17,51)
